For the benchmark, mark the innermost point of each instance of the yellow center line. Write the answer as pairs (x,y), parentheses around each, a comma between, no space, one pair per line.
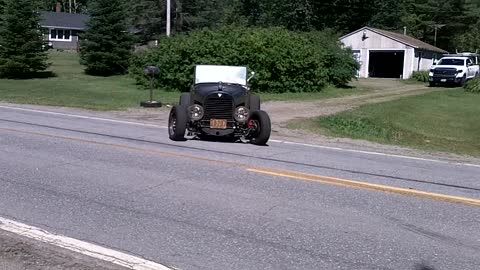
(280,173)
(367,186)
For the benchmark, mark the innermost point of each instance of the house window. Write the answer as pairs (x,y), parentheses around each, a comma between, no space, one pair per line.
(60,35)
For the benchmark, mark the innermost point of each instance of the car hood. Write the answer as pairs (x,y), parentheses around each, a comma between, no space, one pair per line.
(448,67)
(206,89)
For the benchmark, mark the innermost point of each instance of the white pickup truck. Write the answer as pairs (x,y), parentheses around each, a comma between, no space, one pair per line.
(453,69)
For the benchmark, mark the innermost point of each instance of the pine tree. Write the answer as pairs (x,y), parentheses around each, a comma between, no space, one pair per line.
(2,6)
(106,46)
(21,41)
(148,16)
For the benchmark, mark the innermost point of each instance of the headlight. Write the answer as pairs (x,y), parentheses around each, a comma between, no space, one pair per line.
(459,71)
(241,114)
(195,112)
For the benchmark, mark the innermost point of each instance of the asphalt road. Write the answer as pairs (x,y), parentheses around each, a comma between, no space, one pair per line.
(217,205)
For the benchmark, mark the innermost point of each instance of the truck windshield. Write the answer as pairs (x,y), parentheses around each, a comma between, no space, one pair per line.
(451,62)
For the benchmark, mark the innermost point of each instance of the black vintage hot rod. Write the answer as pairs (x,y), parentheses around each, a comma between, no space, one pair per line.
(220,104)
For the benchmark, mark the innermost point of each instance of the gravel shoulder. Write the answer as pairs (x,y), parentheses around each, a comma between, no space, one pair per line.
(19,253)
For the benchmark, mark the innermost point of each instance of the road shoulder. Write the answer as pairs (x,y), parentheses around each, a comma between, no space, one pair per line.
(17,252)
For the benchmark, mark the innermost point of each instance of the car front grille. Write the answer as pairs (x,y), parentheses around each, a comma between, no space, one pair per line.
(218,107)
(441,72)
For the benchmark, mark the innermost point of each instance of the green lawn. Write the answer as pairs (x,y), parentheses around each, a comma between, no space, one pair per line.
(72,88)
(443,121)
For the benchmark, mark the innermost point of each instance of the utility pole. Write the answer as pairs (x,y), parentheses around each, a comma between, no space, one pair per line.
(70,5)
(168,17)
(437,26)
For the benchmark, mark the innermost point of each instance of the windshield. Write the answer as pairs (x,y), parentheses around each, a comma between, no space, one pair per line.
(225,74)
(451,62)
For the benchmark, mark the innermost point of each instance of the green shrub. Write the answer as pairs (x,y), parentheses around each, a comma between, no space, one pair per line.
(473,86)
(419,76)
(284,61)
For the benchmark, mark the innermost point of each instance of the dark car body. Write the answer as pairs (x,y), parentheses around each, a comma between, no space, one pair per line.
(220,104)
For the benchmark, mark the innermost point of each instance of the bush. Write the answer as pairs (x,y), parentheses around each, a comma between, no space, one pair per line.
(473,86)
(284,61)
(419,76)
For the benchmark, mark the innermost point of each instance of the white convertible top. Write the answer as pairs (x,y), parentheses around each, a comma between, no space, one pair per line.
(218,73)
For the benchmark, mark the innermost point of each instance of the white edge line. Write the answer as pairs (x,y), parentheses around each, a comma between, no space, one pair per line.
(276,141)
(88,249)
(377,153)
(82,117)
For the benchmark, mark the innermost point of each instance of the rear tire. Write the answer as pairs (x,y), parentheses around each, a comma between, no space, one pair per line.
(177,123)
(264,128)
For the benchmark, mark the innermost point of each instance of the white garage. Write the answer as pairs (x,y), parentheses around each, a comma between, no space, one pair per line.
(385,54)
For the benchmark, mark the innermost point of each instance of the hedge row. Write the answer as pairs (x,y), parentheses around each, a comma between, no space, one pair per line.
(420,76)
(284,61)
(473,86)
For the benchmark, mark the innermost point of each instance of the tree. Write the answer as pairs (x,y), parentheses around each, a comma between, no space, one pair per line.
(21,41)
(71,6)
(148,16)
(106,46)
(388,14)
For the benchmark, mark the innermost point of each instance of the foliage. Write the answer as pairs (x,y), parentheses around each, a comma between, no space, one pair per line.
(106,46)
(420,76)
(473,86)
(21,55)
(284,61)
(73,6)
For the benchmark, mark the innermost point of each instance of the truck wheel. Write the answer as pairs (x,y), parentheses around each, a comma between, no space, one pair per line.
(177,123)
(185,100)
(263,128)
(254,103)
(464,79)
(432,84)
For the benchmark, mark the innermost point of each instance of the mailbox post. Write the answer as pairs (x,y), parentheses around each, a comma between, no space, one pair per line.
(151,72)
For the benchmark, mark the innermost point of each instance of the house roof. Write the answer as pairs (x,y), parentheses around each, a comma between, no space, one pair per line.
(64,20)
(405,39)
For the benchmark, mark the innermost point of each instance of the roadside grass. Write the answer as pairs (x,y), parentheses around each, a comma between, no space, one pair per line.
(447,121)
(71,87)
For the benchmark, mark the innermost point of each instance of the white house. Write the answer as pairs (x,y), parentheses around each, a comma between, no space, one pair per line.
(385,54)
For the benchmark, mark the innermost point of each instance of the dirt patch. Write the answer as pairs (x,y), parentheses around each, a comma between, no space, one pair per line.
(19,253)
(384,90)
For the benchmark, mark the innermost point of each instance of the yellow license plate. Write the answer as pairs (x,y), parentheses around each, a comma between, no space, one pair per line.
(218,123)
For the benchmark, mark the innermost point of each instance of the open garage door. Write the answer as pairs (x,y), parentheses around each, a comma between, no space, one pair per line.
(386,64)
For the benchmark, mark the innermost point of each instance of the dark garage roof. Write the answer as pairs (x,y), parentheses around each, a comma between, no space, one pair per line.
(64,20)
(410,41)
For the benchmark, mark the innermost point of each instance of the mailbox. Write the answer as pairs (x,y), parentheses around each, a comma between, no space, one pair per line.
(151,70)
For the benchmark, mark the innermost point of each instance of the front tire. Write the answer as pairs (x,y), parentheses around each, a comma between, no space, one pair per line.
(263,128)
(464,79)
(177,123)
(432,84)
